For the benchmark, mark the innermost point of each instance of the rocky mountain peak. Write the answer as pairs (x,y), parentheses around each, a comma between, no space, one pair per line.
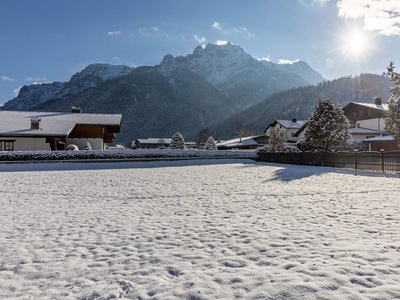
(103,71)
(30,96)
(217,63)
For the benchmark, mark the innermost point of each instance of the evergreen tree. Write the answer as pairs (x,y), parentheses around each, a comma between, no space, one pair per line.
(275,143)
(392,120)
(87,147)
(202,136)
(210,144)
(177,142)
(327,126)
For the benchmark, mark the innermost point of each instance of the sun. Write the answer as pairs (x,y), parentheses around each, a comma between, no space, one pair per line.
(355,43)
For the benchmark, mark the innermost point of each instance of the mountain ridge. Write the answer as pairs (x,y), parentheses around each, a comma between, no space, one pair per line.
(183,93)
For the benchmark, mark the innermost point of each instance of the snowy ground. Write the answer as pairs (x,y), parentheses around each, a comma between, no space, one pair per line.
(197,230)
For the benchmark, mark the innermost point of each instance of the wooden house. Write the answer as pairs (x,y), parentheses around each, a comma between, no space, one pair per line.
(26,131)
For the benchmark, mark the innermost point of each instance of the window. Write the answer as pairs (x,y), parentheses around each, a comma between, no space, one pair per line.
(8,145)
(1,146)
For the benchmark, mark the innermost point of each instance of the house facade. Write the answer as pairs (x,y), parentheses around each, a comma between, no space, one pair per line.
(30,131)
(367,123)
(367,120)
(285,129)
(151,143)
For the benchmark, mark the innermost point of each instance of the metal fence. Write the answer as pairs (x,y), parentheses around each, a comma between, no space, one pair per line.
(377,161)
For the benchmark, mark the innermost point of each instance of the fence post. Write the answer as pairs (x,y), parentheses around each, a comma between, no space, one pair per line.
(383,160)
(333,158)
(355,159)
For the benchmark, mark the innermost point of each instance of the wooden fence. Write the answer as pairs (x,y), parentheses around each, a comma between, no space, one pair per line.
(377,161)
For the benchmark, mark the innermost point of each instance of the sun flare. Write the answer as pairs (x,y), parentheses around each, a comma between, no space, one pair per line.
(356,43)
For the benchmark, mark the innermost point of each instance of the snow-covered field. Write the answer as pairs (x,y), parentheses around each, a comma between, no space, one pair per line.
(213,229)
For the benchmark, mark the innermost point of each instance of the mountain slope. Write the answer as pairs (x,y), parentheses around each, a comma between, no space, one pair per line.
(300,68)
(243,79)
(185,94)
(151,106)
(92,75)
(299,102)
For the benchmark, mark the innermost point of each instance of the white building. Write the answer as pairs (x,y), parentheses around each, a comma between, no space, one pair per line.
(25,131)
(285,129)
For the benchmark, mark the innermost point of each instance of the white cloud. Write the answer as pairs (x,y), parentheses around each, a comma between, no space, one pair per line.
(116,58)
(320,2)
(379,15)
(216,25)
(243,30)
(114,33)
(329,63)
(221,42)
(287,61)
(143,31)
(16,91)
(200,40)
(5,78)
(154,32)
(37,80)
(267,58)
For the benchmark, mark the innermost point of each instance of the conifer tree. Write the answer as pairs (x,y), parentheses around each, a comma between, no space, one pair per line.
(177,142)
(87,147)
(327,126)
(275,143)
(392,120)
(210,144)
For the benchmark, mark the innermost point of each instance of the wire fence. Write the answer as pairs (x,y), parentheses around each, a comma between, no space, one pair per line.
(376,161)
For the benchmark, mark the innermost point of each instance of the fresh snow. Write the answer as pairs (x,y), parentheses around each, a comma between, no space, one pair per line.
(204,229)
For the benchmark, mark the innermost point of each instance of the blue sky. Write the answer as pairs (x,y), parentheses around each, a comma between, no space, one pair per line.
(47,40)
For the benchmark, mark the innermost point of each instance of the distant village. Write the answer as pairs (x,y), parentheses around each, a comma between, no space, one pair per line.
(30,131)
(367,124)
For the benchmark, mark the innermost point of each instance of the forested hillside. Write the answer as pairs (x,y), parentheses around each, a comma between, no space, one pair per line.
(151,106)
(299,102)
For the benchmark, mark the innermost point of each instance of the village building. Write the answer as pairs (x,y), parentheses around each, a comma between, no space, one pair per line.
(367,120)
(249,142)
(367,123)
(151,143)
(285,129)
(157,143)
(29,131)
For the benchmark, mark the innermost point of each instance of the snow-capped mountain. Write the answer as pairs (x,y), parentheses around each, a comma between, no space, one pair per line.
(184,93)
(220,63)
(300,68)
(217,63)
(91,76)
(242,78)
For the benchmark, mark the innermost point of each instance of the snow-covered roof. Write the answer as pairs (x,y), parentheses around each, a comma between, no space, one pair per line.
(18,123)
(288,124)
(238,142)
(360,130)
(372,105)
(385,138)
(154,141)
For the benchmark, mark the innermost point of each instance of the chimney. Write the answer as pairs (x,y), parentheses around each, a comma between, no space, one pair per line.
(35,123)
(76,110)
(378,100)
(294,120)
